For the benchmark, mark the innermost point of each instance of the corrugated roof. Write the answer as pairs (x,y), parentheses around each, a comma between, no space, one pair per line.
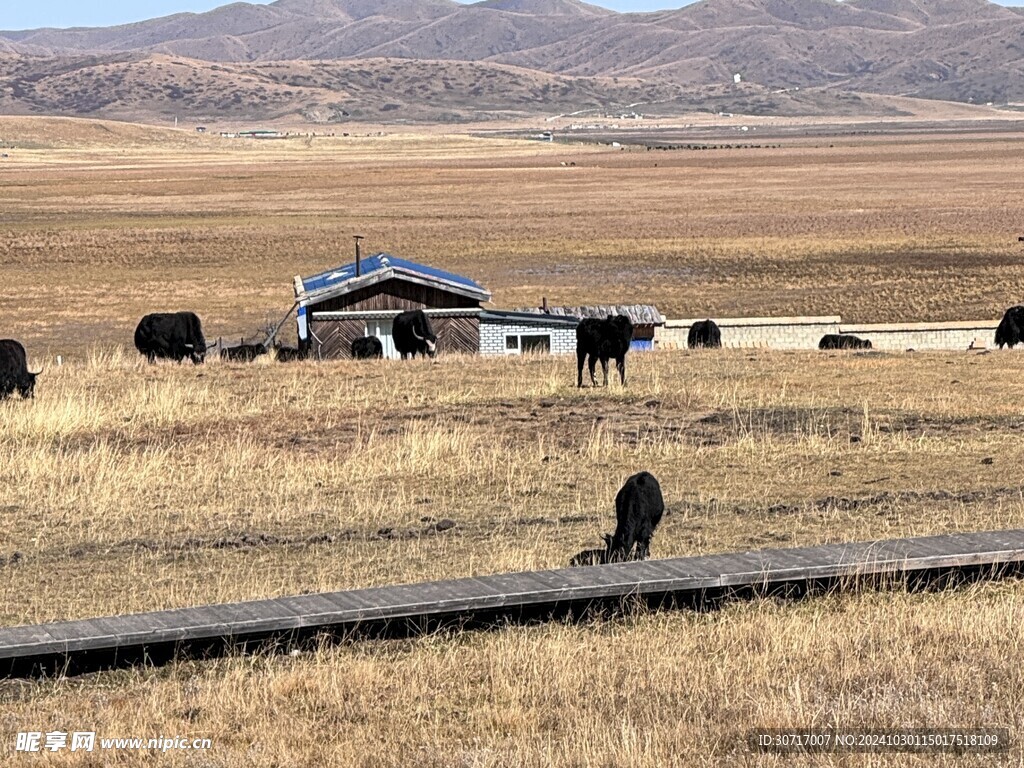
(530,318)
(638,314)
(385,261)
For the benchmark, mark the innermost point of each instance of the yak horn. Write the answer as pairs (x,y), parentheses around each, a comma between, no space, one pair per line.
(421,338)
(38,372)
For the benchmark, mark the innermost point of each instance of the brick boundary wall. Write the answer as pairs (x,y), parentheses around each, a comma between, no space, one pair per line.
(920,336)
(769,332)
(806,332)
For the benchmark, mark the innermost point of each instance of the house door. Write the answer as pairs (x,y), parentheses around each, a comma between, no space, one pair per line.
(382,330)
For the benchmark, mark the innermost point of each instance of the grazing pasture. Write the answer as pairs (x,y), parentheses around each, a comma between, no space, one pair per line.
(131,487)
(134,487)
(877,230)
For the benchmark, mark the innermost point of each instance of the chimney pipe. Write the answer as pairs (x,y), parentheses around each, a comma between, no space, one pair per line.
(544,304)
(359,270)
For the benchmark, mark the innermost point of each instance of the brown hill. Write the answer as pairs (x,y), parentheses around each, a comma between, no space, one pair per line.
(546,7)
(160,87)
(965,50)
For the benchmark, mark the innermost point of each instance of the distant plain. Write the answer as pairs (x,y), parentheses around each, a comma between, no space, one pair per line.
(98,230)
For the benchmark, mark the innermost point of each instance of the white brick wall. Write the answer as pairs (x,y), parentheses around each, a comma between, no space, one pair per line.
(921,336)
(806,332)
(772,332)
(492,337)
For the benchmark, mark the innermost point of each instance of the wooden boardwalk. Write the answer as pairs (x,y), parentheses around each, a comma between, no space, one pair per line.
(78,646)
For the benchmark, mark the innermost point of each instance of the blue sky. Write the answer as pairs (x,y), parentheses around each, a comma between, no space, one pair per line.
(28,14)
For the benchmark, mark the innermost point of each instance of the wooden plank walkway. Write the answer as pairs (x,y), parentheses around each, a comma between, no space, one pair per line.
(78,646)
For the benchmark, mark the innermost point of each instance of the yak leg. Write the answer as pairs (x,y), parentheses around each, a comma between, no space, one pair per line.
(593,364)
(620,363)
(604,369)
(580,359)
(643,545)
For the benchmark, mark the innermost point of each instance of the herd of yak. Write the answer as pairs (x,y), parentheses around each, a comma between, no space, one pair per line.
(639,505)
(179,336)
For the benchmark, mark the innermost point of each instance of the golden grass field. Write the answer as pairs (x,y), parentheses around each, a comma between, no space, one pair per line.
(129,487)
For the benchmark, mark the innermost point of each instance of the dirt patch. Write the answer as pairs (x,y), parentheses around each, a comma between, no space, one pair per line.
(880,502)
(563,421)
(568,422)
(837,423)
(919,425)
(261,540)
(564,520)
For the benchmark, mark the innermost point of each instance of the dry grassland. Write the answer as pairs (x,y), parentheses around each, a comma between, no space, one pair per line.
(128,487)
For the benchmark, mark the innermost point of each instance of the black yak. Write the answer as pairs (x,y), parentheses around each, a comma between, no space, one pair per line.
(639,507)
(412,334)
(592,556)
(243,353)
(842,341)
(1011,328)
(287,354)
(704,333)
(14,372)
(603,340)
(367,348)
(172,335)
(638,510)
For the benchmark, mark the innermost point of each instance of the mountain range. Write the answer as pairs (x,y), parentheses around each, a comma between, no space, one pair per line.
(562,53)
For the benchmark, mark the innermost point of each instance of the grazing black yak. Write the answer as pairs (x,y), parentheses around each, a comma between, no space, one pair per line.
(412,334)
(367,348)
(1011,328)
(842,341)
(243,353)
(288,354)
(592,556)
(14,372)
(638,510)
(603,340)
(704,333)
(639,507)
(172,335)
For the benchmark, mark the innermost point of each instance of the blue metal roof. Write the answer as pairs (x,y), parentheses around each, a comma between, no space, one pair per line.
(382,261)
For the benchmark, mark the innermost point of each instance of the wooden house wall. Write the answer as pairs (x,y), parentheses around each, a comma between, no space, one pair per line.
(395,294)
(457,334)
(335,337)
(454,334)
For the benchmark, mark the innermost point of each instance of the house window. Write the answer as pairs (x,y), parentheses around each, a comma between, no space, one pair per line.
(538,344)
